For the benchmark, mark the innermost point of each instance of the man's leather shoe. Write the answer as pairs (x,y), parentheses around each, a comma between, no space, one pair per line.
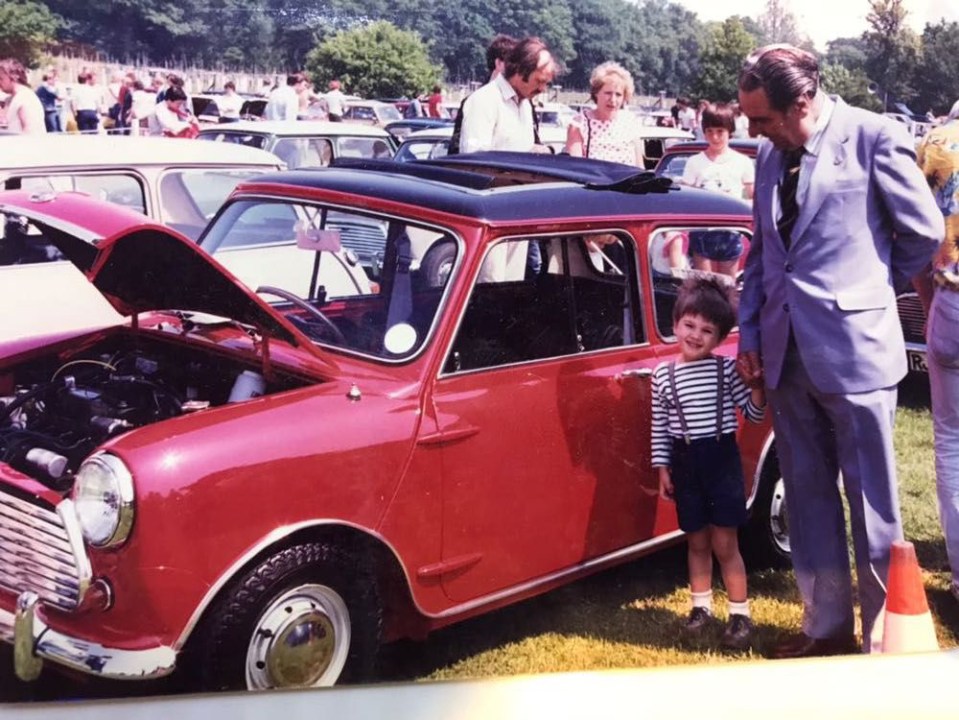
(804,646)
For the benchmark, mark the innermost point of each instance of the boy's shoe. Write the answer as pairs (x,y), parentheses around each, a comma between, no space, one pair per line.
(698,619)
(739,633)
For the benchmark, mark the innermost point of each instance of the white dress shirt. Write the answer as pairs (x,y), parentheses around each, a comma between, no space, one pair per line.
(496,118)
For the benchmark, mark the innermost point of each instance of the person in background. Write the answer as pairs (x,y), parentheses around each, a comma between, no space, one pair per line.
(143,103)
(50,99)
(842,220)
(230,103)
(608,132)
(86,102)
(694,449)
(335,102)
(173,117)
(434,102)
(718,168)
(499,47)
(284,100)
(740,122)
(938,157)
(24,110)
(698,127)
(499,116)
(686,116)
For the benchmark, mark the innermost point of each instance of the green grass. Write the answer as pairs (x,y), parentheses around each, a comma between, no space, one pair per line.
(632,616)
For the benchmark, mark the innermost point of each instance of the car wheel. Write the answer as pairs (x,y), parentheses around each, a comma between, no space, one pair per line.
(437,263)
(765,540)
(308,616)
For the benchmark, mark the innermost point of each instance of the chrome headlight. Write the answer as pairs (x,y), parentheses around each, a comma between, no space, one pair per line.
(103,496)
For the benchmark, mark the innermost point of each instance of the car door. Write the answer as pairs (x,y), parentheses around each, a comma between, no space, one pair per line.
(543,404)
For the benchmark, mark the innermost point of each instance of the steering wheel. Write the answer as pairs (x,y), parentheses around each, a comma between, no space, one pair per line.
(304,305)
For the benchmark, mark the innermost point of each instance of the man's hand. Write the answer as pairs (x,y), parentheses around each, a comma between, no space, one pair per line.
(750,368)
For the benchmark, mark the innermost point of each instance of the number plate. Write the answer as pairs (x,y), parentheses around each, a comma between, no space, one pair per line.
(917,361)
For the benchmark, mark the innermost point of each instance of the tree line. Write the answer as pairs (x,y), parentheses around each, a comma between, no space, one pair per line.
(410,44)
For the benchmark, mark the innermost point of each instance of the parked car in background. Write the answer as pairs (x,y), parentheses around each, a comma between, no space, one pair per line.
(672,163)
(179,183)
(305,143)
(260,490)
(371,112)
(401,128)
(435,142)
(554,114)
(657,140)
(205,107)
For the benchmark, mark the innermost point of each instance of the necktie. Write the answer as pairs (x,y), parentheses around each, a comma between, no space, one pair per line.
(787,194)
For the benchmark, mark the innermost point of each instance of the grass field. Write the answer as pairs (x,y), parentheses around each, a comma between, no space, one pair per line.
(632,616)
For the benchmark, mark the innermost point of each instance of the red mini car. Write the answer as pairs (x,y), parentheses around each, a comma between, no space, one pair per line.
(258,487)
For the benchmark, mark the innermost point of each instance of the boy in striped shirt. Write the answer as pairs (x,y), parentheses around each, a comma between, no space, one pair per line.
(694,448)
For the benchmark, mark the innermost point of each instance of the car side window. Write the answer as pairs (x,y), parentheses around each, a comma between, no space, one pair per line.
(120,189)
(189,198)
(540,298)
(679,252)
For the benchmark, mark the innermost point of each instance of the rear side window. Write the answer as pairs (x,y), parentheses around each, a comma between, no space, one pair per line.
(299,152)
(189,198)
(121,189)
(681,252)
(542,298)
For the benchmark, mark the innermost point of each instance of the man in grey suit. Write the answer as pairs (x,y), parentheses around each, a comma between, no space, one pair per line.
(843,219)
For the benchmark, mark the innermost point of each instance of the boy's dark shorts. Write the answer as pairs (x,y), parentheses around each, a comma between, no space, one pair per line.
(707,479)
(716,244)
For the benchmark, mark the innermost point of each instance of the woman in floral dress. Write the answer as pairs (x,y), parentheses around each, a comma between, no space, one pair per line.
(610,131)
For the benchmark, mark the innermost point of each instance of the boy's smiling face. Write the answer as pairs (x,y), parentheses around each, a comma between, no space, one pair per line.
(697,337)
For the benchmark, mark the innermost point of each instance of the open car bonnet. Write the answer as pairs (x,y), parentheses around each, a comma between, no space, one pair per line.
(137,264)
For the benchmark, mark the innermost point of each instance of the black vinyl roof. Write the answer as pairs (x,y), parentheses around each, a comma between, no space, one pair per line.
(507,186)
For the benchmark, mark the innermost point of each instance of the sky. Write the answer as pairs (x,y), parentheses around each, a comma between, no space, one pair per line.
(824,20)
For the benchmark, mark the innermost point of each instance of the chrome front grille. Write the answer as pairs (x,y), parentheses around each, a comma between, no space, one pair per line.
(36,553)
(911,317)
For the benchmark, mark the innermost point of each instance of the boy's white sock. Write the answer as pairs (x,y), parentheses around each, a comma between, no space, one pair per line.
(739,608)
(703,600)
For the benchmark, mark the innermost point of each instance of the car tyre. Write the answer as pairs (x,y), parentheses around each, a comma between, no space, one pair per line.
(308,616)
(765,538)
(437,263)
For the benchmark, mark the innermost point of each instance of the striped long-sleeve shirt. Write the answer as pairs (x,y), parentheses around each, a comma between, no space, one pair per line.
(696,385)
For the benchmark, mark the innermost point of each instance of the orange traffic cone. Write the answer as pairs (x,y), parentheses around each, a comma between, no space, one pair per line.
(908,625)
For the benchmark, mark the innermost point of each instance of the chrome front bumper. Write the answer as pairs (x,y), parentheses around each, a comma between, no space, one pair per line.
(34,641)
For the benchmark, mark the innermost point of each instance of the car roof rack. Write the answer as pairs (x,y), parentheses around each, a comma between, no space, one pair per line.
(485,170)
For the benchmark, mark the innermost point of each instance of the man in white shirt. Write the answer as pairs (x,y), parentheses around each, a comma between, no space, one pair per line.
(284,103)
(335,102)
(499,116)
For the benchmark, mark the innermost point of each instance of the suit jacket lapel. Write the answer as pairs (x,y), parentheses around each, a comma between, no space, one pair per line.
(828,164)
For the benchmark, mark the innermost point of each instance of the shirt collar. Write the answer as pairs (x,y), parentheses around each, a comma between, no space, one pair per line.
(814,142)
(506,90)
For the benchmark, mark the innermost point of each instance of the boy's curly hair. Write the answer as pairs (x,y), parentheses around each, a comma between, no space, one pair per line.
(710,298)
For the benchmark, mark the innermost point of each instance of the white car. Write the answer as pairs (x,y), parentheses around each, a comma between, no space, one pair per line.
(554,114)
(435,142)
(180,183)
(305,143)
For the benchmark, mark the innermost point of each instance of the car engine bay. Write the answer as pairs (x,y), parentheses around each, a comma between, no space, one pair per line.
(55,411)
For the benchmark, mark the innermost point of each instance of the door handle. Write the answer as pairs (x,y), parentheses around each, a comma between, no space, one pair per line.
(634,373)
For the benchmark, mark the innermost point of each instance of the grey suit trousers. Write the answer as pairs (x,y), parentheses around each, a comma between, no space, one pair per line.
(818,436)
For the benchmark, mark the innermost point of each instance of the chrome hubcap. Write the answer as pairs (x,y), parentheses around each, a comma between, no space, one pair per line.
(301,640)
(778,517)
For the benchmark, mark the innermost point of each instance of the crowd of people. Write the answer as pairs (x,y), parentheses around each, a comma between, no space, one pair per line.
(845,218)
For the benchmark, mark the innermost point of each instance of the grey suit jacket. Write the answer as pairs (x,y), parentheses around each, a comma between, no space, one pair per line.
(867,224)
